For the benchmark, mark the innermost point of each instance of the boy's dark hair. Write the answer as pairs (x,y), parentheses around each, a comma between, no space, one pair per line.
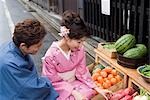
(76,25)
(30,32)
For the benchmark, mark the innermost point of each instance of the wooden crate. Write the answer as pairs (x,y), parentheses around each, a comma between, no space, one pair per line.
(116,87)
(108,52)
(105,62)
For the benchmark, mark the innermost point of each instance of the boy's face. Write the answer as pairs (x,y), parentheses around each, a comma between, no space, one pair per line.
(33,49)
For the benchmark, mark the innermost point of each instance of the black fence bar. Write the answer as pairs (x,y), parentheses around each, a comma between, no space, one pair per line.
(141,22)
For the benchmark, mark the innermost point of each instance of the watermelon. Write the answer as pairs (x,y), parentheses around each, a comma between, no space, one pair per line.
(139,51)
(124,43)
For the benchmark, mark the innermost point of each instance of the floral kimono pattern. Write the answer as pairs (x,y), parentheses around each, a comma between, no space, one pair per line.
(67,75)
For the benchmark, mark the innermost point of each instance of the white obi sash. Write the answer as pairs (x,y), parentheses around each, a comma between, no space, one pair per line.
(68,76)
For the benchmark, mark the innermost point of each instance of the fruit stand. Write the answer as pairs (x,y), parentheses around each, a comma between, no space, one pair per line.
(131,74)
(128,59)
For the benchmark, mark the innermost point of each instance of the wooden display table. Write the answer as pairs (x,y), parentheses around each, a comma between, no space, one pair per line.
(131,74)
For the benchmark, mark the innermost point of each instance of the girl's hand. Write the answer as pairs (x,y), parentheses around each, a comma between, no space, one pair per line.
(78,96)
(106,93)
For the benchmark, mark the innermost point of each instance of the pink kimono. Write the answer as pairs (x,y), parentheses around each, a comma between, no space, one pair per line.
(69,74)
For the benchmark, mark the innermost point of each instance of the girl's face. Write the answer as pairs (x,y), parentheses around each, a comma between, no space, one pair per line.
(75,44)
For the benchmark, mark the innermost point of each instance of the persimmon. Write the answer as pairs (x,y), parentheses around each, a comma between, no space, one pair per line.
(118,77)
(114,72)
(100,79)
(95,76)
(108,82)
(103,74)
(110,76)
(113,81)
(108,69)
(105,85)
(105,79)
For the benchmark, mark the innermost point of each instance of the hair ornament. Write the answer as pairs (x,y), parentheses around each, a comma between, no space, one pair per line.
(64,31)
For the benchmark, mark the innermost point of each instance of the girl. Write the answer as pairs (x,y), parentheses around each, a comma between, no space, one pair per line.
(64,62)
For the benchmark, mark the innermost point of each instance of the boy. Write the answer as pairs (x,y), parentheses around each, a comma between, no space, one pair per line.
(18,76)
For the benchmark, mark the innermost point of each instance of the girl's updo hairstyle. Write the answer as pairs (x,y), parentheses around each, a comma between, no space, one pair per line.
(75,24)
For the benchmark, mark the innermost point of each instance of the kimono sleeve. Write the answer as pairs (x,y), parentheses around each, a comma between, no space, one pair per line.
(64,88)
(82,72)
(26,84)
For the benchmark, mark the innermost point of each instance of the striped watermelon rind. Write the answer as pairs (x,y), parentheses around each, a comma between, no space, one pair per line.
(124,43)
(139,51)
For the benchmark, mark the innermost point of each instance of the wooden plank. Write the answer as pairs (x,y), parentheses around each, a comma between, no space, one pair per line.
(132,73)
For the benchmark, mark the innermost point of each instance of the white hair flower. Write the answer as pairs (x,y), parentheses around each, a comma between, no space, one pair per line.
(63,31)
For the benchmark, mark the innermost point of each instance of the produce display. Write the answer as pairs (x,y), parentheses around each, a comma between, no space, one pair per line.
(128,53)
(106,77)
(124,43)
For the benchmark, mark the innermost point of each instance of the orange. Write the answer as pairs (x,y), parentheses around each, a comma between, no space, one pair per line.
(118,78)
(95,76)
(105,79)
(108,82)
(100,79)
(103,74)
(113,81)
(108,69)
(110,76)
(114,72)
(105,85)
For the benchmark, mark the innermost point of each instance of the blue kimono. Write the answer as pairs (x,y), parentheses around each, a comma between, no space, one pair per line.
(19,79)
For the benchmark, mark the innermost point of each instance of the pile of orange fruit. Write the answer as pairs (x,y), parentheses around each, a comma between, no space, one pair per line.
(106,77)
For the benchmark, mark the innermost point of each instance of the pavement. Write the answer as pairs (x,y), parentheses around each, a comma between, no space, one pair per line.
(12,12)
